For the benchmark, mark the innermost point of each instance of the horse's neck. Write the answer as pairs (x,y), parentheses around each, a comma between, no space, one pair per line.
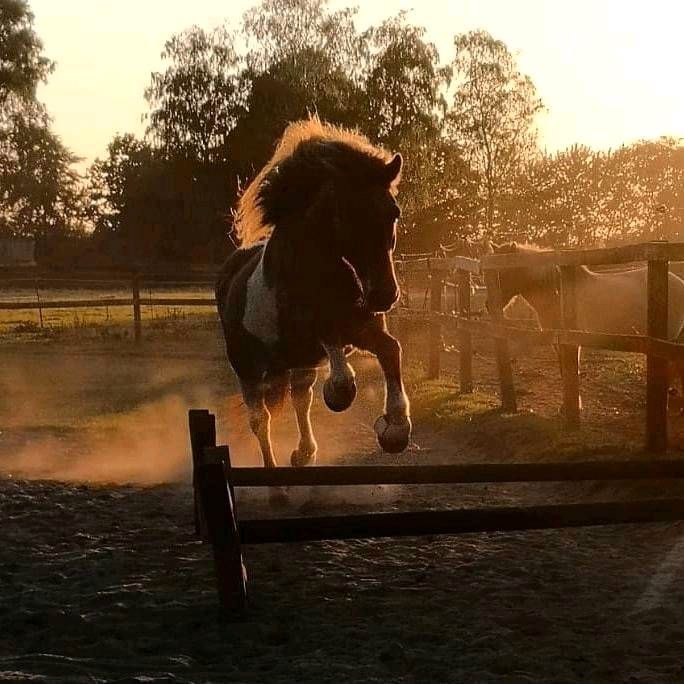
(307,276)
(544,296)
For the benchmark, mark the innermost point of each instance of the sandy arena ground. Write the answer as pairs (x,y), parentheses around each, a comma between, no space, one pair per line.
(101,579)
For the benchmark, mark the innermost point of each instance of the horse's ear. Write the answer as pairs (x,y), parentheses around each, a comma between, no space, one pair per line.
(393,168)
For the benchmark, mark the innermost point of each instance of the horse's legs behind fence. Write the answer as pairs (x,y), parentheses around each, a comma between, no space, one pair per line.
(259,418)
(301,384)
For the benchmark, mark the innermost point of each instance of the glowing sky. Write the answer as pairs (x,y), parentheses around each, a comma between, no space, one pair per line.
(609,71)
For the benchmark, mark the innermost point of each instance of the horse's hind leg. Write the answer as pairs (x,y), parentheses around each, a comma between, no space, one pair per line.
(339,390)
(301,390)
(254,394)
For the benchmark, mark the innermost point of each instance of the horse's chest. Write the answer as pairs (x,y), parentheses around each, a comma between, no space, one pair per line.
(261,311)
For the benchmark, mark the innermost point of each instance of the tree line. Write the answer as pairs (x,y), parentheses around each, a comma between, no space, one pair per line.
(465,125)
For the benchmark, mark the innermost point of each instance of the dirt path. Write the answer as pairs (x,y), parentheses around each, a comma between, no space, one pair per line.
(105,582)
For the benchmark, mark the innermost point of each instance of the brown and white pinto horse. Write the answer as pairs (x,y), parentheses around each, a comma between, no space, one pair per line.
(313,279)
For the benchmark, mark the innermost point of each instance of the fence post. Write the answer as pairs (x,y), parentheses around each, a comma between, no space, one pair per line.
(137,318)
(435,342)
(38,300)
(218,508)
(656,367)
(202,426)
(569,353)
(503,356)
(465,360)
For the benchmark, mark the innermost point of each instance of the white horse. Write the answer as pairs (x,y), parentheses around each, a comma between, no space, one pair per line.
(607,302)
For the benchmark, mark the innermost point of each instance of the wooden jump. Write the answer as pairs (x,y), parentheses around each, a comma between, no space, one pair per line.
(216,513)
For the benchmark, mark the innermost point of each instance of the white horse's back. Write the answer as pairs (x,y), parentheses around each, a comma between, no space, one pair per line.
(616,302)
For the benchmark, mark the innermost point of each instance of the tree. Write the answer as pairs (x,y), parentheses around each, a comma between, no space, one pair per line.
(22,64)
(39,190)
(404,82)
(147,207)
(286,31)
(196,101)
(493,112)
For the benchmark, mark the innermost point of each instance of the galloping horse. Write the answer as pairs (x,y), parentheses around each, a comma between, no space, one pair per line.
(313,279)
(607,302)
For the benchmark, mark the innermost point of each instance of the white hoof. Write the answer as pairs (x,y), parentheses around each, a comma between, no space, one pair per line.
(339,396)
(393,437)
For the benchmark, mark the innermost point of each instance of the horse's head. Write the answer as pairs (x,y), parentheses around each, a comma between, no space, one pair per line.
(511,280)
(329,197)
(538,285)
(365,232)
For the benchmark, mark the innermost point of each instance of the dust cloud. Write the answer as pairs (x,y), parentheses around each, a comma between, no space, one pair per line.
(102,419)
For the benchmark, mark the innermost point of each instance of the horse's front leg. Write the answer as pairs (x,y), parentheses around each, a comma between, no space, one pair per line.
(301,391)
(393,428)
(339,390)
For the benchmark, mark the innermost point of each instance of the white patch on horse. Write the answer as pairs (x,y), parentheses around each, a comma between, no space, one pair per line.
(261,311)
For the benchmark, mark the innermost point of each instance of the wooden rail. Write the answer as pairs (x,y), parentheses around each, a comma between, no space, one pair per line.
(338,476)
(217,520)
(459,521)
(626,254)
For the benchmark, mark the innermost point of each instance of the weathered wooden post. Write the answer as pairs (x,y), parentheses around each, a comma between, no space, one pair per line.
(503,356)
(657,367)
(569,353)
(202,426)
(435,341)
(465,360)
(219,512)
(137,317)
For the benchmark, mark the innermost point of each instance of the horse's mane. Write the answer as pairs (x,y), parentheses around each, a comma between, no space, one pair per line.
(326,147)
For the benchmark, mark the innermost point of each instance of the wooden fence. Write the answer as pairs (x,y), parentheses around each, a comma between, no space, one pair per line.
(658,350)
(133,282)
(452,275)
(217,520)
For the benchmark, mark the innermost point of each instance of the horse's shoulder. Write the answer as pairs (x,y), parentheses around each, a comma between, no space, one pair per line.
(236,262)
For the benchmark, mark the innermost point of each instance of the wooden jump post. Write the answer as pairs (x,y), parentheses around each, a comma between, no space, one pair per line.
(215,512)
(215,480)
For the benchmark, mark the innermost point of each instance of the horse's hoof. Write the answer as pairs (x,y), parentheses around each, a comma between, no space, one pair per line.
(393,437)
(299,459)
(339,396)
(277,496)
